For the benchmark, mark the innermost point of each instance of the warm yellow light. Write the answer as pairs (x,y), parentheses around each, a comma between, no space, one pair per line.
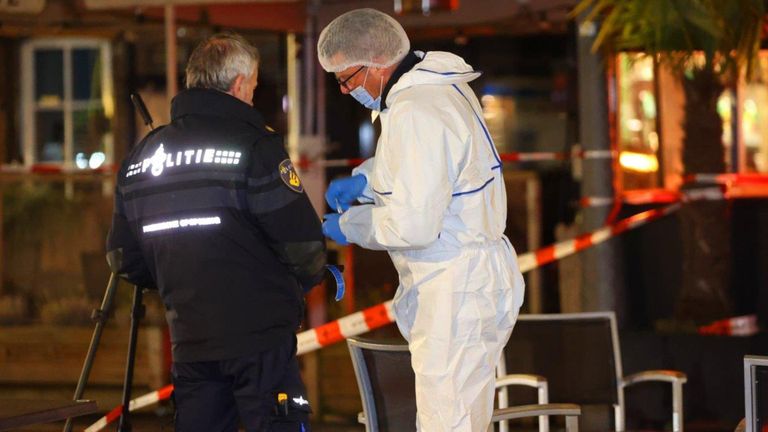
(639,162)
(635,125)
(491,107)
(488,99)
(644,67)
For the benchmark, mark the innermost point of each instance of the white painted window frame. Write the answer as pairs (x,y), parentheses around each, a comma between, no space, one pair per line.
(29,106)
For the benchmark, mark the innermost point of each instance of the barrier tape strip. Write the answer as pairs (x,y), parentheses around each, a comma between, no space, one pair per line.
(726,178)
(505,157)
(49,168)
(531,260)
(53,168)
(597,201)
(532,156)
(596,154)
(704,194)
(138,403)
(658,196)
(382,314)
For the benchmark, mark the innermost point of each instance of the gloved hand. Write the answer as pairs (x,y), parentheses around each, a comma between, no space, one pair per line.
(343,192)
(332,229)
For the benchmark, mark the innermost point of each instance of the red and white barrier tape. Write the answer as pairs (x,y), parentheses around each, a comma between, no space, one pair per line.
(735,185)
(48,168)
(310,340)
(138,403)
(704,194)
(505,157)
(745,325)
(594,154)
(658,196)
(596,201)
(726,178)
(381,314)
(532,156)
(531,260)
(329,163)
(350,325)
(53,168)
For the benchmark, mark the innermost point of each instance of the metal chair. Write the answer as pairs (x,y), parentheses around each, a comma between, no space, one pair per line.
(386,382)
(580,358)
(755,393)
(506,381)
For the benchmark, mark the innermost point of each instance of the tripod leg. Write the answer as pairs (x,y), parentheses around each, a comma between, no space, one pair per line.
(100,316)
(137,313)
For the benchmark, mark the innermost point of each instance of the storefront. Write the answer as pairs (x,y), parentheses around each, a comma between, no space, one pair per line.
(649,114)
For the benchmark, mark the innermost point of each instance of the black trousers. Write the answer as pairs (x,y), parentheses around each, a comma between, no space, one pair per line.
(264,391)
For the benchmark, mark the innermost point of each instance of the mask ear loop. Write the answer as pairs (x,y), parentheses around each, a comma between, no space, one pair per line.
(365,78)
(375,113)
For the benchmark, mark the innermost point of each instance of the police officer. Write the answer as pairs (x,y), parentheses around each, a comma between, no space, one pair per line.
(210,211)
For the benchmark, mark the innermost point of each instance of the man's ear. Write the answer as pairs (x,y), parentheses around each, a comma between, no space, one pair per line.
(237,84)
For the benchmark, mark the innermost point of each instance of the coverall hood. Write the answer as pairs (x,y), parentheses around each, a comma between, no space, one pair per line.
(436,67)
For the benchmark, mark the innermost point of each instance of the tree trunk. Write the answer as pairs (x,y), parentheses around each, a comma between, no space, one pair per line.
(705,225)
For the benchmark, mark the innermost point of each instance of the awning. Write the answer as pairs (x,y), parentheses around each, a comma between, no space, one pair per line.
(117,4)
(271,15)
(24,7)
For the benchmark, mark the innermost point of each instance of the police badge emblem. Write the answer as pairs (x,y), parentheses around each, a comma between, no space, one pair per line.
(289,176)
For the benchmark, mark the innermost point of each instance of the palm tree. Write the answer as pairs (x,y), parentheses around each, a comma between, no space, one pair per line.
(707,45)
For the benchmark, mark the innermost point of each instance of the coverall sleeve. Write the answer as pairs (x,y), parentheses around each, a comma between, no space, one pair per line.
(365,169)
(418,159)
(124,254)
(283,213)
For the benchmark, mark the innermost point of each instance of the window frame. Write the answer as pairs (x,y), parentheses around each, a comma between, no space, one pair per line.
(30,107)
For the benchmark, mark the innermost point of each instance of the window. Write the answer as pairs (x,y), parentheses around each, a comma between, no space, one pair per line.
(754,121)
(637,135)
(67,103)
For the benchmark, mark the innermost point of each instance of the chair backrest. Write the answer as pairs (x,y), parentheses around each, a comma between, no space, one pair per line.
(577,353)
(756,393)
(386,381)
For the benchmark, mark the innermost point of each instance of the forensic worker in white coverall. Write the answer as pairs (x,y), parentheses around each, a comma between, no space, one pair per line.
(433,197)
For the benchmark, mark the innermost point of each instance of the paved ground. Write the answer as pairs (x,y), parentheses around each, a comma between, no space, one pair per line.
(158,421)
(154,423)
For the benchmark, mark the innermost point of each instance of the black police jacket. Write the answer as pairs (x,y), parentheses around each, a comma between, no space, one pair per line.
(210,211)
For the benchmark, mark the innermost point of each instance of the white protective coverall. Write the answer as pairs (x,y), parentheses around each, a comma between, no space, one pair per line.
(439,208)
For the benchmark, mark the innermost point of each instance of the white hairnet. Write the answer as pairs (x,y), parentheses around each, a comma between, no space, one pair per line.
(364,37)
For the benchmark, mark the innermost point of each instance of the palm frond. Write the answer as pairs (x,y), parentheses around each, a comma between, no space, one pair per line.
(727,32)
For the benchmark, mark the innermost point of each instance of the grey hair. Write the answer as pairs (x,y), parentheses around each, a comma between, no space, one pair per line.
(218,60)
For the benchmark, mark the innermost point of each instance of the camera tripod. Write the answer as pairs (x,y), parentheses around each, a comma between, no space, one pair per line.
(100,316)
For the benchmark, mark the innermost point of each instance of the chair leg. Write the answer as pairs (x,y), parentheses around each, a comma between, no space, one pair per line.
(677,407)
(544,399)
(503,399)
(571,423)
(618,412)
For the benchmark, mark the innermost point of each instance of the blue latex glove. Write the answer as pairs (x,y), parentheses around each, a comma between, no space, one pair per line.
(332,229)
(343,192)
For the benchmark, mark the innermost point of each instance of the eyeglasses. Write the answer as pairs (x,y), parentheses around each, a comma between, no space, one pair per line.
(344,82)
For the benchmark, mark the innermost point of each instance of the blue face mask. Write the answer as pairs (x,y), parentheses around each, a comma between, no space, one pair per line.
(361,95)
(364,98)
